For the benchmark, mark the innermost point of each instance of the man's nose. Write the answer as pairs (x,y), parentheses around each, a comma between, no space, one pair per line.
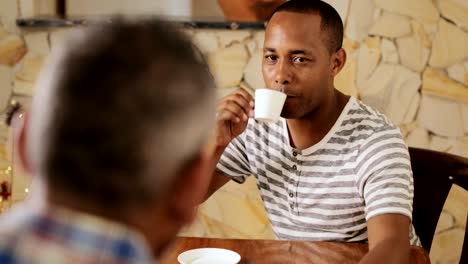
(283,73)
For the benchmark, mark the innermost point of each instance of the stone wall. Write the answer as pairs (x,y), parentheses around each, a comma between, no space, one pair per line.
(409,59)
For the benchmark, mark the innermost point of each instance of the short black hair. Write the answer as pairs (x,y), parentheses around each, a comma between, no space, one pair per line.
(117,91)
(330,19)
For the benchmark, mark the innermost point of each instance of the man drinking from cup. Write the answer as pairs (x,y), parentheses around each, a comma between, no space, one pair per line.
(331,168)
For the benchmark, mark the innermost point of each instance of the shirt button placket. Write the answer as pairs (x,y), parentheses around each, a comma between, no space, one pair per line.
(292,182)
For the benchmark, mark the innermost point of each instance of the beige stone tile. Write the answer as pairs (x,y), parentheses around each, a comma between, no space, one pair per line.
(27,74)
(253,71)
(12,49)
(360,19)
(229,37)
(449,46)
(437,83)
(391,25)
(38,43)
(407,128)
(58,36)
(30,67)
(459,72)
(259,37)
(421,10)
(464,111)
(367,59)
(414,49)
(227,65)
(456,11)
(418,138)
(8,15)
(255,43)
(392,90)
(433,115)
(457,205)
(446,247)
(5,147)
(413,108)
(389,51)
(23,88)
(439,143)
(460,147)
(31,8)
(6,85)
(206,41)
(235,211)
(3,32)
(446,222)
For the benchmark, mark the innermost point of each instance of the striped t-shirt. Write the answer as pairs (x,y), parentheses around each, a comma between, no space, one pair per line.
(328,191)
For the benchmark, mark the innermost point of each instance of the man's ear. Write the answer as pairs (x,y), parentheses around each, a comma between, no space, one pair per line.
(20,132)
(338,61)
(189,189)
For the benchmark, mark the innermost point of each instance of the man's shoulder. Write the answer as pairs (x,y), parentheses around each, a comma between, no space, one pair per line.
(363,127)
(361,115)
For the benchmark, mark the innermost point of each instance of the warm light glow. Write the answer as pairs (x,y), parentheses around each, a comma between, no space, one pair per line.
(26,190)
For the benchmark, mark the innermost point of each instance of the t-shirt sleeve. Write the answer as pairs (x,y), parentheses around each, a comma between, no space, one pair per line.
(385,178)
(234,162)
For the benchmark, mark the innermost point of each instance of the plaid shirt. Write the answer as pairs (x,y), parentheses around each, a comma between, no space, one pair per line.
(29,235)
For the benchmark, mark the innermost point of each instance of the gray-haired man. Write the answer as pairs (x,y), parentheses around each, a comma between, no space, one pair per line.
(115,142)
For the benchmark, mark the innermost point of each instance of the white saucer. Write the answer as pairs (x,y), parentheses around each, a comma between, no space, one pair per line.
(209,256)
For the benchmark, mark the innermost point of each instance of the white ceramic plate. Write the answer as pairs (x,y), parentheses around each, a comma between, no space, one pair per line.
(209,256)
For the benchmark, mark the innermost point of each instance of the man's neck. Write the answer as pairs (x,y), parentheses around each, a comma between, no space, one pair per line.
(309,130)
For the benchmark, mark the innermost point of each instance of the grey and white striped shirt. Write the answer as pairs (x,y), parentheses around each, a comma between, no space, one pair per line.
(328,191)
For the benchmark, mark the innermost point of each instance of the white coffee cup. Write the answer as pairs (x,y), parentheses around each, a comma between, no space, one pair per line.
(268,104)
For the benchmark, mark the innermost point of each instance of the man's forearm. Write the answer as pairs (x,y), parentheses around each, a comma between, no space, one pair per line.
(388,251)
(217,180)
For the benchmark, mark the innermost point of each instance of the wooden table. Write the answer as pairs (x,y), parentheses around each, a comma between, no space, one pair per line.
(284,252)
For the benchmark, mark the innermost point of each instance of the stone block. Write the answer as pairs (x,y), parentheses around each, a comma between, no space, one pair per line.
(227,65)
(227,38)
(391,25)
(368,58)
(8,14)
(12,49)
(449,46)
(422,10)
(253,71)
(389,51)
(436,83)
(441,116)
(446,246)
(360,19)
(414,49)
(38,43)
(459,72)
(455,10)
(6,85)
(206,41)
(392,90)
(418,138)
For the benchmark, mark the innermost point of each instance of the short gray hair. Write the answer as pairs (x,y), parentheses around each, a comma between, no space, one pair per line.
(115,102)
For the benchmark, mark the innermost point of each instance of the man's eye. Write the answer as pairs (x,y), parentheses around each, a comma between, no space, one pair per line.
(300,60)
(270,57)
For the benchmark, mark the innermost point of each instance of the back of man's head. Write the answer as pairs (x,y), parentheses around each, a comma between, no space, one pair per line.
(331,22)
(119,111)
